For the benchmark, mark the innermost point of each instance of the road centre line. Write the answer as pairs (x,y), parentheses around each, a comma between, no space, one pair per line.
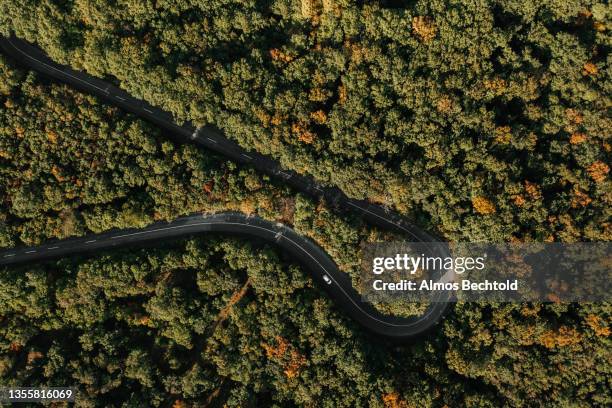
(214,141)
(247,225)
(383,218)
(58,70)
(288,239)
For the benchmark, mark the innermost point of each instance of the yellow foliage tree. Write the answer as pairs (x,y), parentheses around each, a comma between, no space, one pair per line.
(310,8)
(483,206)
(424,28)
(598,171)
(563,337)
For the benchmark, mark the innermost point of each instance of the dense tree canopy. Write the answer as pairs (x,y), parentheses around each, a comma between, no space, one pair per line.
(488,119)
(220,320)
(484,120)
(71,165)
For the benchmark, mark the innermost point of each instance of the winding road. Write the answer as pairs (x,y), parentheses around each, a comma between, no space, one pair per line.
(321,267)
(317,262)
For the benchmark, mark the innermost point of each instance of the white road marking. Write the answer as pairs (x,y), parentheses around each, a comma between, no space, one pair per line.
(58,70)
(120,98)
(212,140)
(247,156)
(30,252)
(340,287)
(302,249)
(383,218)
(444,278)
(55,247)
(90,242)
(148,110)
(158,230)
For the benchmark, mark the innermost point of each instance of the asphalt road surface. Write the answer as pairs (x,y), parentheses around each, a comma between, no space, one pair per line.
(309,254)
(321,267)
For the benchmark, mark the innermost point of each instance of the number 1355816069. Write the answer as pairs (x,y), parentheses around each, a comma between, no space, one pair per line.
(37,394)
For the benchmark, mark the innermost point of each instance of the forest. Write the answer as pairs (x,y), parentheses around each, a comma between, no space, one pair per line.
(481,120)
(484,119)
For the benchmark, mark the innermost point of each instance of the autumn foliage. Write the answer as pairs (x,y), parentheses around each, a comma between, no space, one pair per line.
(424,28)
(483,205)
(480,120)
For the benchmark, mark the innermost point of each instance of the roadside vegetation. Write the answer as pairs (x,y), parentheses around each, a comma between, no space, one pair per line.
(236,324)
(483,120)
(486,119)
(70,165)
